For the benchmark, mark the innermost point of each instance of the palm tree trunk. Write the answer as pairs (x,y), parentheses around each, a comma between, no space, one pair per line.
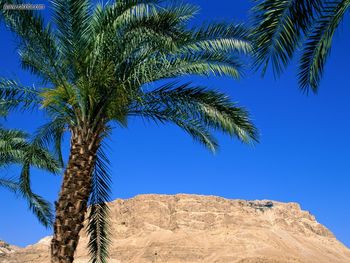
(73,198)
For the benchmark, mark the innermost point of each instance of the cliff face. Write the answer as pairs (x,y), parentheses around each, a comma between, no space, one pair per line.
(6,249)
(206,229)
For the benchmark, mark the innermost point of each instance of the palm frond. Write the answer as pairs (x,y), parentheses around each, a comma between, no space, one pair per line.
(318,44)
(199,107)
(52,133)
(172,65)
(13,95)
(41,158)
(72,18)
(107,19)
(150,12)
(13,144)
(220,37)
(37,45)
(41,208)
(98,219)
(9,183)
(143,24)
(16,149)
(126,12)
(278,29)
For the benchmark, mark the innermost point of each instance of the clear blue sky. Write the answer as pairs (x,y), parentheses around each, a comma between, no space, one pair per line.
(303,155)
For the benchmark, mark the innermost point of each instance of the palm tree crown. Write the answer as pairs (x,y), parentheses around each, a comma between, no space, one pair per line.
(97,63)
(282,26)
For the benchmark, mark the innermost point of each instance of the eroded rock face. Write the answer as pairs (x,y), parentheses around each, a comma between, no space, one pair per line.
(6,248)
(206,229)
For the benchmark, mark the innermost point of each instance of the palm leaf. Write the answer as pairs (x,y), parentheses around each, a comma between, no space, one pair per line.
(98,219)
(37,45)
(72,18)
(220,37)
(15,149)
(9,183)
(278,29)
(202,109)
(318,44)
(13,145)
(41,208)
(15,96)
(52,133)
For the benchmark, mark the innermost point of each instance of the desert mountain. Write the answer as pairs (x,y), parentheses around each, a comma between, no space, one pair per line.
(207,229)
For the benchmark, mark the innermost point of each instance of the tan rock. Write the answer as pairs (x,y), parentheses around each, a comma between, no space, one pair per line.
(207,229)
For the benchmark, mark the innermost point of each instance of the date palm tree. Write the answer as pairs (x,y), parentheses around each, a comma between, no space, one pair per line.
(15,149)
(102,64)
(283,26)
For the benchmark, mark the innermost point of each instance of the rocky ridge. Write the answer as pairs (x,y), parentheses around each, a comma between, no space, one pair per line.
(6,248)
(191,229)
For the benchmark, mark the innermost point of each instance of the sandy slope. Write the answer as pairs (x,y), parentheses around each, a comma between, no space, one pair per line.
(206,229)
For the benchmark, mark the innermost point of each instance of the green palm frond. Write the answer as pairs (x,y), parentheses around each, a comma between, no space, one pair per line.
(284,26)
(195,128)
(124,13)
(13,144)
(41,158)
(41,208)
(167,24)
(62,102)
(72,18)
(108,22)
(209,51)
(37,45)
(15,96)
(279,27)
(9,183)
(189,63)
(52,133)
(220,37)
(199,107)
(147,13)
(318,44)
(16,149)
(122,37)
(98,219)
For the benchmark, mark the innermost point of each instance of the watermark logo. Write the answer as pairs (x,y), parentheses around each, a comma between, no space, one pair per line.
(24,7)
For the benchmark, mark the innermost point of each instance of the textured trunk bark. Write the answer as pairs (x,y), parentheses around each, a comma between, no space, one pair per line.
(72,203)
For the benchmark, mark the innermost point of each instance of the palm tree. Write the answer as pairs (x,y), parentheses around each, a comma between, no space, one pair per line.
(282,26)
(102,64)
(15,149)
